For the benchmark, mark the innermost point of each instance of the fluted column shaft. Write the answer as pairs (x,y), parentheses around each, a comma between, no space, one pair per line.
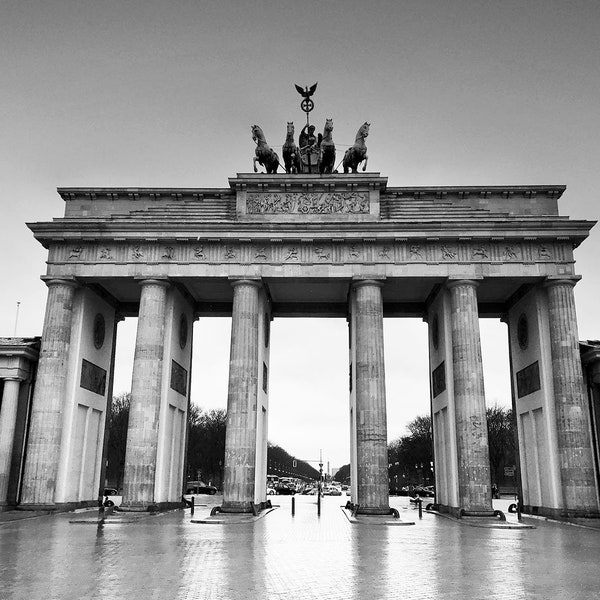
(570,404)
(371,423)
(146,387)
(45,432)
(240,437)
(469,399)
(8,421)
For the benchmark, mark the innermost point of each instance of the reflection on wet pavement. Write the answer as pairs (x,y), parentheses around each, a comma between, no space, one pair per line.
(301,557)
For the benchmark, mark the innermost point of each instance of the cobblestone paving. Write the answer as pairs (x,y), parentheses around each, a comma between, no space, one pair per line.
(301,557)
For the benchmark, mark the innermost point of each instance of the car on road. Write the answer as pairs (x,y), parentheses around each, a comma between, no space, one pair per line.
(283,489)
(199,487)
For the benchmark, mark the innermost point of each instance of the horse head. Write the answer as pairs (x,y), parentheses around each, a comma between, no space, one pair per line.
(363,131)
(257,134)
(290,127)
(328,127)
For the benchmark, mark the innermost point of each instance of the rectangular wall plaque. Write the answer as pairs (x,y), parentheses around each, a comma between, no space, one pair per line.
(93,377)
(265,381)
(438,379)
(178,378)
(528,380)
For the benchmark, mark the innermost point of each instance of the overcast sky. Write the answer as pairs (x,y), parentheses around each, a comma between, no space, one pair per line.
(146,93)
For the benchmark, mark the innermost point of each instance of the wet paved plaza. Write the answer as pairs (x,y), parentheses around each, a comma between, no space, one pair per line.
(299,557)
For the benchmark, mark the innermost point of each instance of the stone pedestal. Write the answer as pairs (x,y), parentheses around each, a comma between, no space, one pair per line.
(570,404)
(474,485)
(240,440)
(8,421)
(142,432)
(371,425)
(43,451)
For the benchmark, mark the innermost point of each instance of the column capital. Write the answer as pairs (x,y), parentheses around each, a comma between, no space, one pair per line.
(13,378)
(50,281)
(452,282)
(143,281)
(234,281)
(359,282)
(561,280)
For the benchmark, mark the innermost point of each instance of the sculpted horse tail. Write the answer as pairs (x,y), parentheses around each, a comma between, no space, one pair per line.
(264,155)
(291,152)
(327,149)
(357,153)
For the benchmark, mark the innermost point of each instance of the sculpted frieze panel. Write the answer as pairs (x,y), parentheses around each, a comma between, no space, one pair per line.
(311,252)
(308,203)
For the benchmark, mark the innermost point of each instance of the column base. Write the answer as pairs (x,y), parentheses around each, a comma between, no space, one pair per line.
(242,507)
(58,506)
(461,513)
(374,510)
(153,507)
(560,514)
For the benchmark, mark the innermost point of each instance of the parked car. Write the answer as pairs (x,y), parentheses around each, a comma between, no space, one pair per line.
(285,490)
(271,491)
(199,487)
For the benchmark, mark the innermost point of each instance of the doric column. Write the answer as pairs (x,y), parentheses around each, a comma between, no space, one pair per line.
(571,410)
(43,447)
(371,422)
(240,437)
(8,420)
(474,485)
(146,384)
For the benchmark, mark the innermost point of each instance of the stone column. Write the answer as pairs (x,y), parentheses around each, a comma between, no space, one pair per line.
(240,437)
(570,405)
(146,384)
(474,485)
(371,422)
(8,420)
(45,431)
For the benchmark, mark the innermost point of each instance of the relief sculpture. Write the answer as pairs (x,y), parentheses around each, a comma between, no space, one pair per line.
(309,203)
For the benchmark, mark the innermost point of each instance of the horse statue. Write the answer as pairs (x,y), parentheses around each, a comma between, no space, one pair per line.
(291,152)
(357,153)
(327,149)
(265,156)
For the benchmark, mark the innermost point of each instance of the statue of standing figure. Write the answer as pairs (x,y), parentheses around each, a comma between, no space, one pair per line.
(309,149)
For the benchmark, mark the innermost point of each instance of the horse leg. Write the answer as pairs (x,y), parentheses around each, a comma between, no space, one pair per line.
(254,164)
(365,165)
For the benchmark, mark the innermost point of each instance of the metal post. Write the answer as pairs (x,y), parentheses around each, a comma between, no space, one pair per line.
(193,504)
(420,503)
(293,506)
(320,486)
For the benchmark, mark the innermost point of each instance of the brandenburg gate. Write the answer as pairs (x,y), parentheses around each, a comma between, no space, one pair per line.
(320,245)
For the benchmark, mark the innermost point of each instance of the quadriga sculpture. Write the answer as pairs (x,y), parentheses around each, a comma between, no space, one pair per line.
(327,149)
(357,153)
(291,152)
(265,155)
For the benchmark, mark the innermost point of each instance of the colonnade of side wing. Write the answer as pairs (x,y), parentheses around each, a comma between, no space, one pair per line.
(67,429)
(554,432)
(458,401)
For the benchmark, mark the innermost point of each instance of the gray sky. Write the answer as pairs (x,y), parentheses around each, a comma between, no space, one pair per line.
(145,93)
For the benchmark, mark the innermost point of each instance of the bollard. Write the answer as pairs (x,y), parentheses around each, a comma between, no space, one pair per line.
(193,504)
(293,506)
(420,502)
(318,503)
